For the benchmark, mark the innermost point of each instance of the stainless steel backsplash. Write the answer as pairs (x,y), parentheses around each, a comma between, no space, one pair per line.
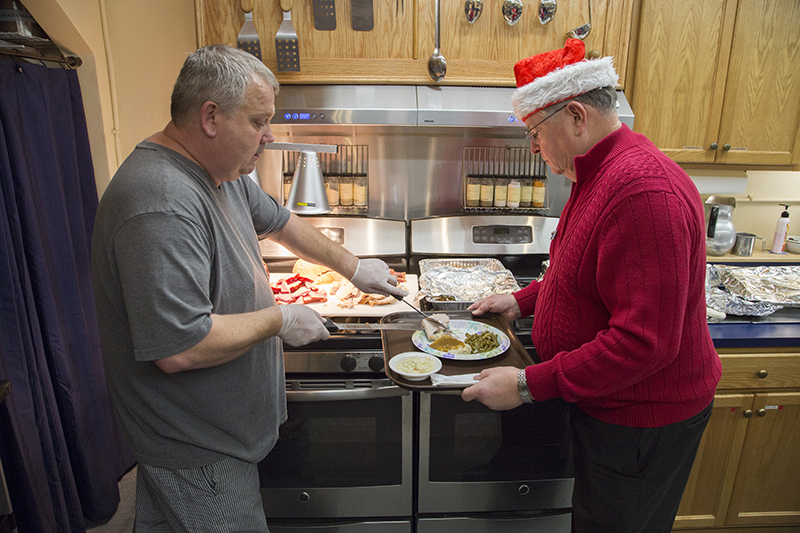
(414,171)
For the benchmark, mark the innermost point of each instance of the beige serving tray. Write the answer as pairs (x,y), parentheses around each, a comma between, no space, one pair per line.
(330,309)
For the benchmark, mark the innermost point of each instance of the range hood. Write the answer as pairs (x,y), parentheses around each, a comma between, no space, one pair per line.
(403,105)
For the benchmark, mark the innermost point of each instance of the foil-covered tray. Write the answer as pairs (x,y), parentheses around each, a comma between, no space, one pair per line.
(452,284)
(752,291)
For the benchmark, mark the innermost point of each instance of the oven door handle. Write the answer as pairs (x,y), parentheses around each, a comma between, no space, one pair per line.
(347,394)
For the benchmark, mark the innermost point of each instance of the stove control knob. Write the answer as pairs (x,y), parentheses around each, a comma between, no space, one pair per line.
(376,363)
(304,496)
(348,363)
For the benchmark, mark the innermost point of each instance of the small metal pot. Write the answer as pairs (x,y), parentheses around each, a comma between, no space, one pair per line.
(745,242)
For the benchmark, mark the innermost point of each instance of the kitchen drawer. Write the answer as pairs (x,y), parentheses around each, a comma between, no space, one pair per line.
(760,371)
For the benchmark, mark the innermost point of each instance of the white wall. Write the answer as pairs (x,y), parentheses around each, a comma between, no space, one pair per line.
(757,208)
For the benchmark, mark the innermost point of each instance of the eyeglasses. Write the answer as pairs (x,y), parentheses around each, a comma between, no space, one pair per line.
(534,136)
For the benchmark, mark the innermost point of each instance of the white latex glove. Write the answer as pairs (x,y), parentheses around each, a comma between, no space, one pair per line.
(301,325)
(372,276)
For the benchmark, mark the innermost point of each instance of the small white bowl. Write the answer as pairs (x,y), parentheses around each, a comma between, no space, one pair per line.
(793,244)
(434,364)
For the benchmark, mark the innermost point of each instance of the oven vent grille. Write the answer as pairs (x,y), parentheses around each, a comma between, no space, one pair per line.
(503,180)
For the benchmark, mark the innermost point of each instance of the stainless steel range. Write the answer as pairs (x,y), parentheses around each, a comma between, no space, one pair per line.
(439,172)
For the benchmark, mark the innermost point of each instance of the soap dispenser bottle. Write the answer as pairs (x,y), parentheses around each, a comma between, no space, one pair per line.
(781,229)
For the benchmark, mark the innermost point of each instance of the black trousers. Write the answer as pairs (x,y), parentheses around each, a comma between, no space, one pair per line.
(631,480)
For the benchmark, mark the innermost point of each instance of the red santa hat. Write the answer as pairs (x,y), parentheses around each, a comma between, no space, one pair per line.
(552,77)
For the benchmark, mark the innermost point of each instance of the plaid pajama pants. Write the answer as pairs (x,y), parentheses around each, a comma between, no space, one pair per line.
(222,497)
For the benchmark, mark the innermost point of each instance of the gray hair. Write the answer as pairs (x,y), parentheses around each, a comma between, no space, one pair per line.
(219,73)
(604,99)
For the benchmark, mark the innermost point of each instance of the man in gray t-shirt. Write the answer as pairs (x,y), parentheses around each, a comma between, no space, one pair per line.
(191,335)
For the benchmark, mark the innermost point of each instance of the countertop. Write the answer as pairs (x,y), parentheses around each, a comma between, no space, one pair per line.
(780,329)
(758,257)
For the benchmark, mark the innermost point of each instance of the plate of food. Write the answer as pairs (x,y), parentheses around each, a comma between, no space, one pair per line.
(470,340)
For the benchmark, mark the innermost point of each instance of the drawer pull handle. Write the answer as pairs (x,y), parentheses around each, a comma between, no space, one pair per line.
(762,374)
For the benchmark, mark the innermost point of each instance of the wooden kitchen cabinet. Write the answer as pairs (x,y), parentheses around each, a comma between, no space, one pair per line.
(717,81)
(396,51)
(747,470)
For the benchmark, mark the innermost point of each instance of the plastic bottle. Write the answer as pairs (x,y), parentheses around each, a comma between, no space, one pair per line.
(781,229)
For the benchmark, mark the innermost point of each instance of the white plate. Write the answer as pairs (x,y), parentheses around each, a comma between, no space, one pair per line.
(399,358)
(461,328)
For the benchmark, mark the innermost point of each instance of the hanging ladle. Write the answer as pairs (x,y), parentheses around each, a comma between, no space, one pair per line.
(581,32)
(473,10)
(547,11)
(512,11)
(437,66)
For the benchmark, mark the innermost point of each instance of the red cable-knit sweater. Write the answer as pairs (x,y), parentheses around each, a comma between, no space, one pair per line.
(620,315)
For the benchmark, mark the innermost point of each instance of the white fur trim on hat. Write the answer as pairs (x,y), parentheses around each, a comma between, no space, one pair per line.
(563,83)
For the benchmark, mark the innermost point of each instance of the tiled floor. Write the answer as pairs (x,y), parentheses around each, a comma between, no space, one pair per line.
(122,521)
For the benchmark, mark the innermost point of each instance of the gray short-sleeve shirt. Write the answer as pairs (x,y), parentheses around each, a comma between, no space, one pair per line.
(169,249)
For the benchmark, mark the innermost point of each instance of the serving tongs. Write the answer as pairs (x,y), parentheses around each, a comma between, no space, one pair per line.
(442,326)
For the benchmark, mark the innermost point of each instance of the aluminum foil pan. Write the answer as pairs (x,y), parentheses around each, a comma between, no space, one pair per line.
(778,285)
(719,295)
(463,281)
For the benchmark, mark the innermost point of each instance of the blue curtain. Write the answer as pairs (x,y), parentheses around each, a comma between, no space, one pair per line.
(59,443)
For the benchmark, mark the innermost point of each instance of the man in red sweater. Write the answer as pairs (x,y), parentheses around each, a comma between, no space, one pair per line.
(620,315)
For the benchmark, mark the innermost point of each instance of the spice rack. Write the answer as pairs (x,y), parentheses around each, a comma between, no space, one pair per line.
(346,178)
(503,180)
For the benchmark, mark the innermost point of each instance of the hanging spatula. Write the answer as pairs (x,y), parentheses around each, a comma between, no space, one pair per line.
(324,15)
(361,15)
(248,37)
(287,49)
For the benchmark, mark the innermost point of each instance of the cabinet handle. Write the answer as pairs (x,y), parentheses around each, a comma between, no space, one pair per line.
(594,54)
(748,413)
(761,412)
(762,374)
(714,146)
(726,147)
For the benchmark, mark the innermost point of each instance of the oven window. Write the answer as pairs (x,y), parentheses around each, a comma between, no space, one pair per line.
(351,443)
(471,443)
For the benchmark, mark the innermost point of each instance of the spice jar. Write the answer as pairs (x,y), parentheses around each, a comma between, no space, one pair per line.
(473,191)
(514,193)
(525,192)
(332,188)
(360,190)
(538,196)
(487,192)
(500,192)
(346,190)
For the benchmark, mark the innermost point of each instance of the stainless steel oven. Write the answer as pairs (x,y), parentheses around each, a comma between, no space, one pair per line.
(344,458)
(479,467)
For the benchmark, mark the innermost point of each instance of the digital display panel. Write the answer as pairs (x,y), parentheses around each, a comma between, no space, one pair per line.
(304,116)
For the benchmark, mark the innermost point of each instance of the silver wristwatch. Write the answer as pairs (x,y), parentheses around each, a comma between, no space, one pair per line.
(522,386)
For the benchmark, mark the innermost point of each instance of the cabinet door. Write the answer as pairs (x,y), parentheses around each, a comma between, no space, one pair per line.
(767,486)
(678,74)
(761,110)
(707,492)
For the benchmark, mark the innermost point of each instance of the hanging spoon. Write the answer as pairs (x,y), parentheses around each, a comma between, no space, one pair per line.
(437,66)
(512,11)
(547,11)
(473,10)
(581,32)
